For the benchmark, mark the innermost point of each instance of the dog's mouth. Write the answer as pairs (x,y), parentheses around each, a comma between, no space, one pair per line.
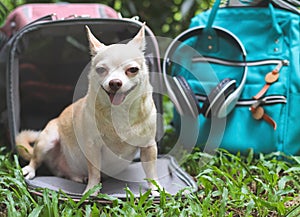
(116,98)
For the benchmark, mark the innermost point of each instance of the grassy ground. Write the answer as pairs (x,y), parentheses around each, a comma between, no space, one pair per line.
(229,185)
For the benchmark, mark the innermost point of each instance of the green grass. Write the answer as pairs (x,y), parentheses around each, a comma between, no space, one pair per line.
(229,185)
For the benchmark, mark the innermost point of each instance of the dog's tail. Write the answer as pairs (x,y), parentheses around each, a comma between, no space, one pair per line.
(23,141)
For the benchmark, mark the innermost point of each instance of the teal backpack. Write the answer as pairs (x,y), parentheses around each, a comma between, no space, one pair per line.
(236,79)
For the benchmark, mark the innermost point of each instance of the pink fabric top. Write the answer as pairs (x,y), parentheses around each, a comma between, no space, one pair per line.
(27,13)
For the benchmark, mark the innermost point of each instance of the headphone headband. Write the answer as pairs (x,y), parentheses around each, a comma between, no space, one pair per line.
(233,97)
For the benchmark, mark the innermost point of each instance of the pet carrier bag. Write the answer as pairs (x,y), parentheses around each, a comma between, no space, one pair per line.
(41,66)
(238,68)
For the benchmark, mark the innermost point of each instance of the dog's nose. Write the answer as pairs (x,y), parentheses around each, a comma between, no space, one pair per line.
(115,84)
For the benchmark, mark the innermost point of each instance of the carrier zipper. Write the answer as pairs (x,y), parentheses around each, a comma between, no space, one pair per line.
(238,63)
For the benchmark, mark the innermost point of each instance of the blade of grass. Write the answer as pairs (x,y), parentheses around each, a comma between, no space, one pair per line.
(36,211)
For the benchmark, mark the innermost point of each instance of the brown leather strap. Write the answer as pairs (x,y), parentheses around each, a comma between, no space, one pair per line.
(262,91)
(259,113)
(270,78)
(268,119)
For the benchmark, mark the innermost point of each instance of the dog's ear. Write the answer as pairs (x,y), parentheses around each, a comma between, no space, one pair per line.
(95,44)
(139,39)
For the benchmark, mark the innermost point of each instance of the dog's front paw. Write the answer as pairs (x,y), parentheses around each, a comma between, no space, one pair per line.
(28,172)
(92,189)
(155,189)
(155,193)
(93,194)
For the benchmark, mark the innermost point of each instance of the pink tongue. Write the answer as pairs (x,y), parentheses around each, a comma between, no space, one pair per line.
(117,99)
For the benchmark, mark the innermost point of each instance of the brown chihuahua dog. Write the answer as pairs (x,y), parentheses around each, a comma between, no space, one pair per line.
(102,131)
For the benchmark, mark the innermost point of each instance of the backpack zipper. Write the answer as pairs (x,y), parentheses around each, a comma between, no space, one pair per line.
(256,106)
(237,63)
(268,100)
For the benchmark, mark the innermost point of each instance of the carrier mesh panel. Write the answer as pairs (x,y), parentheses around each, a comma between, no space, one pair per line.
(51,60)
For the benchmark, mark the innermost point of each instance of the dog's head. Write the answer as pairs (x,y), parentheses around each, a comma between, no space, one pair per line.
(118,70)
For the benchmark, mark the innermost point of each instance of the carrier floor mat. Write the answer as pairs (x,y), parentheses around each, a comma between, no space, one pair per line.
(171,177)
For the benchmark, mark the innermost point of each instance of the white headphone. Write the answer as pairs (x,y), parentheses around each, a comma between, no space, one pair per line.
(223,98)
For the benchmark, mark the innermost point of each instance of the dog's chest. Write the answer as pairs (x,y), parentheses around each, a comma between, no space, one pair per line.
(116,138)
(121,133)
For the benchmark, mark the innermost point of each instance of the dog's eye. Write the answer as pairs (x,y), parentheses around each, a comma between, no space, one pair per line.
(132,71)
(101,70)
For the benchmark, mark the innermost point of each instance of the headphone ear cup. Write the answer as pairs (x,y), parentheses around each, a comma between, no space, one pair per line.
(190,100)
(217,97)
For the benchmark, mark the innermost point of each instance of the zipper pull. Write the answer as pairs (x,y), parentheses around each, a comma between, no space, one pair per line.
(271,78)
(258,113)
(257,110)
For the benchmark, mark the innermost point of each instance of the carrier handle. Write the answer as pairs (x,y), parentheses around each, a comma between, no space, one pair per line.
(48,17)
